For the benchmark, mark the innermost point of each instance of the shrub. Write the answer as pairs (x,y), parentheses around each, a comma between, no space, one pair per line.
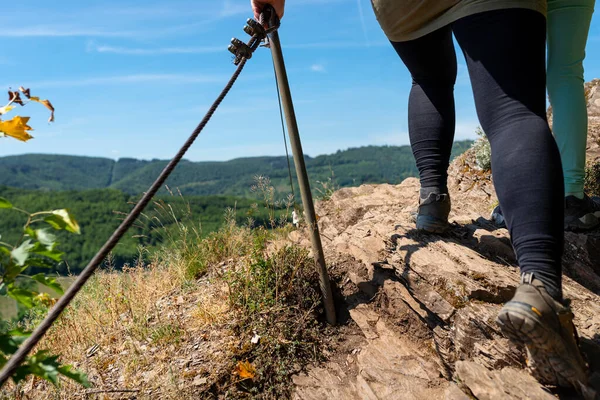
(483,151)
(35,250)
(277,300)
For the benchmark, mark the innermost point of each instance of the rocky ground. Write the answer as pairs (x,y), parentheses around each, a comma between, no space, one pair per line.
(423,306)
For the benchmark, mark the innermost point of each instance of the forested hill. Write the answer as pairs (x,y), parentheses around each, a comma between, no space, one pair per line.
(371,164)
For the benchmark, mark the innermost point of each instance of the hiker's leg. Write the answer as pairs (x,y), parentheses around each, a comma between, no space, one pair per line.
(505,53)
(431,61)
(568,27)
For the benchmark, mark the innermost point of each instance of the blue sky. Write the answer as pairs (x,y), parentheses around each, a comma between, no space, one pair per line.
(133,78)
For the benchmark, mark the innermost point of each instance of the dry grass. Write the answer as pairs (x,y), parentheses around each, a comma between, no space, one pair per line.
(179,326)
(123,315)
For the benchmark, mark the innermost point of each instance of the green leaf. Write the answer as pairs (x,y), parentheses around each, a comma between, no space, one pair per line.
(42,235)
(52,253)
(77,376)
(49,282)
(10,342)
(4,250)
(46,366)
(45,237)
(21,373)
(22,296)
(29,232)
(21,253)
(11,272)
(39,262)
(5,203)
(62,219)
(41,364)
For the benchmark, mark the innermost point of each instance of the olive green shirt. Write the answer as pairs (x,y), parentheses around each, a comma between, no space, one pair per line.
(403,20)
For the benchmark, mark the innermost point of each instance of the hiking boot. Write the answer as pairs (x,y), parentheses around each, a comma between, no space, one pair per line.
(498,218)
(432,215)
(582,214)
(545,326)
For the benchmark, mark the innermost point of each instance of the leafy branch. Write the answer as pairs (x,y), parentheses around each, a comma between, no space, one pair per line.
(17,127)
(36,248)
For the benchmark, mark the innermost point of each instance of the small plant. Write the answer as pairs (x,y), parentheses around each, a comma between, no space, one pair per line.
(278,211)
(277,302)
(166,334)
(483,151)
(327,188)
(36,249)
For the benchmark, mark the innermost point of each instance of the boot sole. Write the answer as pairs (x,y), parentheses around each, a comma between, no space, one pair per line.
(548,354)
(431,224)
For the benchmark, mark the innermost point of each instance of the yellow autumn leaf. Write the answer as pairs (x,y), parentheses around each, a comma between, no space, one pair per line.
(245,370)
(24,91)
(46,104)
(50,107)
(6,109)
(15,97)
(62,219)
(17,128)
(45,299)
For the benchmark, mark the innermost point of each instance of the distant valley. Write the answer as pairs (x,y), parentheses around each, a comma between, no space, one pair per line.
(98,191)
(352,167)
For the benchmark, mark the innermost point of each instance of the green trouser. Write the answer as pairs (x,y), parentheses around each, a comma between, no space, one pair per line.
(568,27)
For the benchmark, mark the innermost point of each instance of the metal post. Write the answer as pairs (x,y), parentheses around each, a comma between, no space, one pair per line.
(307,201)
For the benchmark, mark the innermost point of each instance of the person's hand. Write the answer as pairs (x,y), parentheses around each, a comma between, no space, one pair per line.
(257,6)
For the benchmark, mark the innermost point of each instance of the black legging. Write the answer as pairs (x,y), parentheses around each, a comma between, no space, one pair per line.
(505,54)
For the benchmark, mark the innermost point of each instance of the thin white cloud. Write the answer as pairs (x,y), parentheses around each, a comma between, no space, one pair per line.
(172,9)
(231,8)
(153,51)
(122,22)
(63,31)
(362,21)
(335,45)
(317,68)
(91,47)
(172,79)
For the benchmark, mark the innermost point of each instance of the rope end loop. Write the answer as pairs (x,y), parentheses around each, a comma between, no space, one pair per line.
(269,19)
